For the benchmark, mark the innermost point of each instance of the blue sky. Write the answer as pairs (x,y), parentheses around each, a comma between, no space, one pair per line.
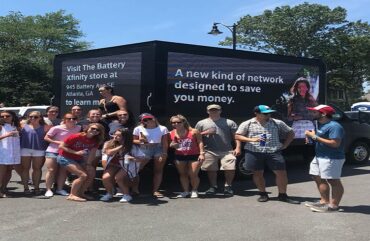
(118,22)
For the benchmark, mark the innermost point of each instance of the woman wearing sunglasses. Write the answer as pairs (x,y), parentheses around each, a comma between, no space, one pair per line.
(9,147)
(123,165)
(54,137)
(76,154)
(189,154)
(153,141)
(33,149)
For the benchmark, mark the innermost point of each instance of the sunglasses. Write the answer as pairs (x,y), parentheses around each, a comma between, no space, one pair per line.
(147,119)
(123,115)
(266,113)
(5,116)
(53,111)
(94,129)
(33,117)
(70,119)
(176,122)
(76,109)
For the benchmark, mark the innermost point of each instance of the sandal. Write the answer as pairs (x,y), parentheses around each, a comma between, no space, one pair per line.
(158,195)
(75,198)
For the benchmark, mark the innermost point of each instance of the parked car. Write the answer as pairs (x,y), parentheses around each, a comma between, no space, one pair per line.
(24,110)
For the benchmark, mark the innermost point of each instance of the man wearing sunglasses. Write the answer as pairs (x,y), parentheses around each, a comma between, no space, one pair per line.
(262,135)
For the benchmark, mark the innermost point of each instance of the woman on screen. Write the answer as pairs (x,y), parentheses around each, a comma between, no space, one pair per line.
(297,112)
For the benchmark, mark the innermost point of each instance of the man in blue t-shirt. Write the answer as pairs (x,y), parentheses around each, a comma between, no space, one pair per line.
(326,167)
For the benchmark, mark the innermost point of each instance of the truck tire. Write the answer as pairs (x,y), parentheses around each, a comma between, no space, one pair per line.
(358,153)
(241,172)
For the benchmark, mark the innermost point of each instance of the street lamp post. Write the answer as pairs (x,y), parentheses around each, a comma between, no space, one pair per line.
(232,29)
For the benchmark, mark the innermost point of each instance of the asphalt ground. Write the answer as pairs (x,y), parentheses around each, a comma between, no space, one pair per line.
(239,217)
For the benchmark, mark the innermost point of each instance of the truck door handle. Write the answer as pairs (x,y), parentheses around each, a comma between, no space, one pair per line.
(148,101)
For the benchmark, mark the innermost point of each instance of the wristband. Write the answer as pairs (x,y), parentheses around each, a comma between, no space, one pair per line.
(202,153)
(315,137)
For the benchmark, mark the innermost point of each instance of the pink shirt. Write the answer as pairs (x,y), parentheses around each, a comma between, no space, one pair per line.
(59,133)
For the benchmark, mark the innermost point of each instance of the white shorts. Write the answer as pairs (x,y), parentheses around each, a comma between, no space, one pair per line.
(326,168)
(31,152)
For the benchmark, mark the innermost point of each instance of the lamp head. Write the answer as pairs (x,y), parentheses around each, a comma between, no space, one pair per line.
(215,30)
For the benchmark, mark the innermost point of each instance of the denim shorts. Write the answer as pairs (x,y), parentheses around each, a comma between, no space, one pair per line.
(51,155)
(152,150)
(64,161)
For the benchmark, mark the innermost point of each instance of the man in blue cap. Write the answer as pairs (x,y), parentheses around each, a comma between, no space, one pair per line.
(262,136)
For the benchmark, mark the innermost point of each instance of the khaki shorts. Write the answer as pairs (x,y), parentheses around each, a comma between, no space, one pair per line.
(227,160)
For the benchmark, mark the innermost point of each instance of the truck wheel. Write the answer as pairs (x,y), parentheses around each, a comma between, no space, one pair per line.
(359,153)
(241,172)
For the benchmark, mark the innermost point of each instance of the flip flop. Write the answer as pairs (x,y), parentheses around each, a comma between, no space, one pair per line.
(76,199)
(158,195)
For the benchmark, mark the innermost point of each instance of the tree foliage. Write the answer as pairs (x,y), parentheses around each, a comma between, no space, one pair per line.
(313,30)
(28,45)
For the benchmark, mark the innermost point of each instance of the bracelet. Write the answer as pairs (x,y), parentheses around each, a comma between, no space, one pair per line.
(315,137)
(202,153)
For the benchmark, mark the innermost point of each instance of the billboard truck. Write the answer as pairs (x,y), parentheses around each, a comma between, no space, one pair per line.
(170,78)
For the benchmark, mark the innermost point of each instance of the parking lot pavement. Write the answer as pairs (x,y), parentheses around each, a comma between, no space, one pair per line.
(239,217)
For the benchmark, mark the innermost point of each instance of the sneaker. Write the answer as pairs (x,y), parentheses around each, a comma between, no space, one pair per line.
(62,192)
(283,197)
(49,193)
(106,198)
(118,192)
(325,209)
(194,194)
(211,191)
(314,204)
(183,195)
(125,198)
(264,197)
(228,191)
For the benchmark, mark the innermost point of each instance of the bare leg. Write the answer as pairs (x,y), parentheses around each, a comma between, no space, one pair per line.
(78,182)
(108,178)
(259,180)
(52,169)
(37,163)
(193,172)
(182,168)
(61,177)
(122,181)
(212,178)
(281,180)
(337,191)
(159,163)
(323,188)
(25,170)
(229,176)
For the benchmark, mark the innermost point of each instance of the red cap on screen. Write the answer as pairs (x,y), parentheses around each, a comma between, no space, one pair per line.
(323,109)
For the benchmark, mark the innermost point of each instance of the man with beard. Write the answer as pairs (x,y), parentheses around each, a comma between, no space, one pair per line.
(326,167)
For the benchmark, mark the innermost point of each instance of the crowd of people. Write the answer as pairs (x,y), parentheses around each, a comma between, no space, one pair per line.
(109,134)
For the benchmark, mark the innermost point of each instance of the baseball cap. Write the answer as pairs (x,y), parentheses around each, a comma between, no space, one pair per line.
(323,109)
(213,106)
(263,109)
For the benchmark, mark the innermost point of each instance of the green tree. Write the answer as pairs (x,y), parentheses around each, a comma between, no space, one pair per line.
(28,45)
(312,30)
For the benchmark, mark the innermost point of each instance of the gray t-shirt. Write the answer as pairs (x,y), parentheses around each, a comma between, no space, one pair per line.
(224,136)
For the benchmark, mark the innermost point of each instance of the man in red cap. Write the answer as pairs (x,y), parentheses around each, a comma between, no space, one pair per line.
(326,167)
